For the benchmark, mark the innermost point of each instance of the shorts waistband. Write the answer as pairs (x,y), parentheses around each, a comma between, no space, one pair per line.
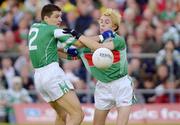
(121,78)
(46,67)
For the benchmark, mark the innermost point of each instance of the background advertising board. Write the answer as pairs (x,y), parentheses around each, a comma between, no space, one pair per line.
(152,113)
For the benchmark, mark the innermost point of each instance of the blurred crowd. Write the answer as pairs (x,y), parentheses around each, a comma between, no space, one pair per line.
(148,26)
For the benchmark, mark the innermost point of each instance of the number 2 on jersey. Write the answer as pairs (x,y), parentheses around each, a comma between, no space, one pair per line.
(33,30)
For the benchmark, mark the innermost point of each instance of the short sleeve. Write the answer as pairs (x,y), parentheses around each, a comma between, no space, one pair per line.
(64,38)
(58,33)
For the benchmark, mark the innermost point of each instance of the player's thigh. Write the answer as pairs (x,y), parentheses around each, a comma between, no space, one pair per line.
(123,92)
(100,117)
(55,85)
(70,103)
(123,115)
(103,96)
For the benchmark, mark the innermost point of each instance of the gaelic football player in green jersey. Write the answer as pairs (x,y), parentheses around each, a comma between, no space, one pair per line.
(114,87)
(50,79)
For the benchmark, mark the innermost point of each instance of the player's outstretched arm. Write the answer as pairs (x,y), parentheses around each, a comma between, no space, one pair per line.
(91,43)
(95,45)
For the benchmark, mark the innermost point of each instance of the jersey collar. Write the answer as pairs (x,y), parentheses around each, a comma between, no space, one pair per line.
(43,22)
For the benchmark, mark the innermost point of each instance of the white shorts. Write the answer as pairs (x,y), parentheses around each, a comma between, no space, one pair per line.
(51,82)
(116,93)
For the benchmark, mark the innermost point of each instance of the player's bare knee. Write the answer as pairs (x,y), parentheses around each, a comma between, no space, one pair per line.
(62,117)
(78,115)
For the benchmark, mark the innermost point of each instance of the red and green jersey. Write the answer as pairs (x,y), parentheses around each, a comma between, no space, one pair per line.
(119,67)
(42,43)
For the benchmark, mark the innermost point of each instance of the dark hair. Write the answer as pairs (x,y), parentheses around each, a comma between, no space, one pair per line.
(48,9)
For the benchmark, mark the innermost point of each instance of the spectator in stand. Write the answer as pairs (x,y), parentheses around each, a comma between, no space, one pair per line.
(70,17)
(168,15)
(171,33)
(148,83)
(148,15)
(108,4)
(150,45)
(84,20)
(17,13)
(3,80)
(23,59)
(93,29)
(3,103)
(2,43)
(177,22)
(7,4)
(170,57)
(96,13)
(27,81)
(22,32)
(123,31)
(140,34)
(11,44)
(133,46)
(6,22)
(17,94)
(133,4)
(162,74)
(34,5)
(158,37)
(161,96)
(135,68)
(129,19)
(152,5)
(8,70)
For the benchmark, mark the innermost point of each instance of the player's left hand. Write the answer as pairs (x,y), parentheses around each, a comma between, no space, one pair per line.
(72,51)
(72,32)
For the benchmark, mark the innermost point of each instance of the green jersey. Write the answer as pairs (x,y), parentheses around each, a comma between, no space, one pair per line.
(119,67)
(43,39)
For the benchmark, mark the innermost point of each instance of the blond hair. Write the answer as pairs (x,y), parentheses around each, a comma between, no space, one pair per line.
(114,15)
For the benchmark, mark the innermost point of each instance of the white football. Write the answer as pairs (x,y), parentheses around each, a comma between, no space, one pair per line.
(102,58)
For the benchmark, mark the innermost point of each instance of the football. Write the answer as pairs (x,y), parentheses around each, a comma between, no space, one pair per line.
(102,58)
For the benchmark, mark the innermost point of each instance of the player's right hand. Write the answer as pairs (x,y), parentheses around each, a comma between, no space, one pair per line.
(72,32)
(107,34)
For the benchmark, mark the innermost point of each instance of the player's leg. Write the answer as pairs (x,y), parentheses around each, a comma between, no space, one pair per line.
(64,97)
(100,117)
(123,115)
(61,114)
(103,103)
(70,103)
(57,90)
(124,97)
